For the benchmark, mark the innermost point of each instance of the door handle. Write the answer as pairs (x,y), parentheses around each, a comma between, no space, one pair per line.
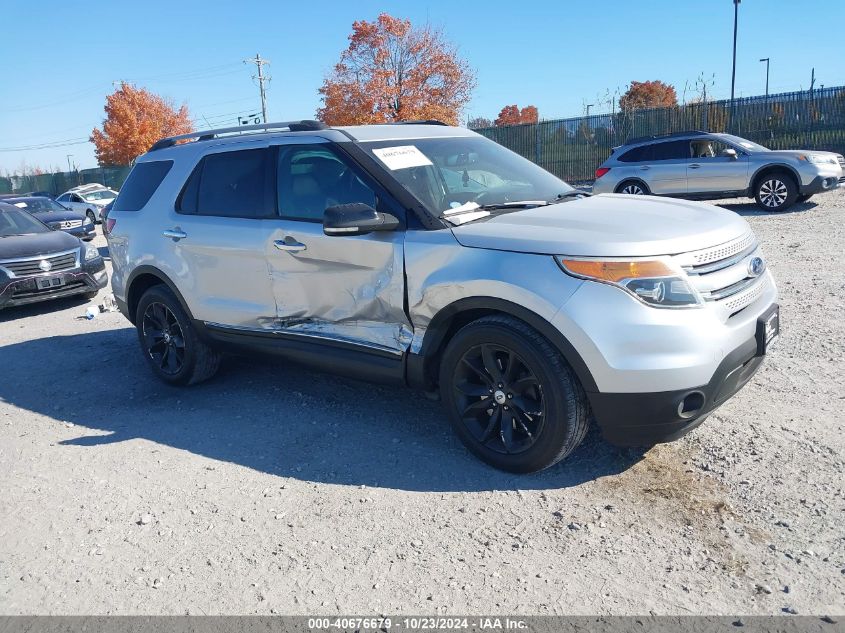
(694,166)
(291,246)
(645,168)
(175,234)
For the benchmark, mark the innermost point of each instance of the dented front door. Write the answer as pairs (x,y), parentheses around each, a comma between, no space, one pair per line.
(347,289)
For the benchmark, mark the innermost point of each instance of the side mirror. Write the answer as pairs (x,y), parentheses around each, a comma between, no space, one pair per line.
(730,153)
(356,219)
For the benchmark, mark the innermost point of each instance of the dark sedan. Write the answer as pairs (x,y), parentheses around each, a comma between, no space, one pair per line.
(56,216)
(37,263)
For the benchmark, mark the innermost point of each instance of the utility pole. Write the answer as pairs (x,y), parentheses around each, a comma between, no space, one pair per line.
(733,70)
(68,162)
(261,79)
(766,59)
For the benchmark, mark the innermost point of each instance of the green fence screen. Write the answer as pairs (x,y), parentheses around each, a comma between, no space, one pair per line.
(573,148)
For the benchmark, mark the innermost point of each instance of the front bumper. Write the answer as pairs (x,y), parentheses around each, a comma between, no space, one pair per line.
(17,291)
(821,184)
(643,419)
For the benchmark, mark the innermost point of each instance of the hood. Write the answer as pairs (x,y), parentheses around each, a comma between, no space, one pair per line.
(34,244)
(607,225)
(58,216)
(794,153)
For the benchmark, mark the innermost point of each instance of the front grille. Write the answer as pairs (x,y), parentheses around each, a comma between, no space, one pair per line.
(722,277)
(33,266)
(724,251)
(66,224)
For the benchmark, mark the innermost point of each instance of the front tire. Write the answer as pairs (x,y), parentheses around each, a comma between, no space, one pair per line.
(170,342)
(633,188)
(91,216)
(776,191)
(511,397)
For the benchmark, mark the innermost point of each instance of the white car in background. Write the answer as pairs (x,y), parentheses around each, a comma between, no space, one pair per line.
(87,199)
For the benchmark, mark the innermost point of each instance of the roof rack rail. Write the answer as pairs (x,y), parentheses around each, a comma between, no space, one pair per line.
(641,139)
(305,125)
(419,122)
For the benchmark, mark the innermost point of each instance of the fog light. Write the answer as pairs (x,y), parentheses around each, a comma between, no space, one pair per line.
(692,403)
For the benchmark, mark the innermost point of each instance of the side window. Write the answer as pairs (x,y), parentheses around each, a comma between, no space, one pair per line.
(230,184)
(672,150)
(75,198)
(313,177)
(141,184)
(637,155)
(710,148)
(63,198)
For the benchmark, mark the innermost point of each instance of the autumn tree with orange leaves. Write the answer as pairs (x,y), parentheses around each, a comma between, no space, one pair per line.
(512,115)
(393,71)
(648,94)
(135,119)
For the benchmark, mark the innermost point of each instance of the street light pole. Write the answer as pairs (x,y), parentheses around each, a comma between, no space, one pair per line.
(68,162)
(589,105)
(766,59)
(733,70)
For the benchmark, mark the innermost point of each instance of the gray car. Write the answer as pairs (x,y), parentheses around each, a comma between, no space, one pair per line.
(705,166)
(430,256)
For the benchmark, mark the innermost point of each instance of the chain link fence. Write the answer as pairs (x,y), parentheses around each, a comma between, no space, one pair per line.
(573,148)
(59,182)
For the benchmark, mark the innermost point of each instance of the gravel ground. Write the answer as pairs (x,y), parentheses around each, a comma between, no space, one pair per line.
(277,490)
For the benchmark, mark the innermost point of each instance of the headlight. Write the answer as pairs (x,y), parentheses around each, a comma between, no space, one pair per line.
(655,282)
(91,252)
(818,159)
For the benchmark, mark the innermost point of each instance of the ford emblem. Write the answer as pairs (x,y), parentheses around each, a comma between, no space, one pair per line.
(45,265)
(756,266)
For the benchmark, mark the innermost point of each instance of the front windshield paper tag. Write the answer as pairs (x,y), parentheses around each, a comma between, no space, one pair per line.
(401,157)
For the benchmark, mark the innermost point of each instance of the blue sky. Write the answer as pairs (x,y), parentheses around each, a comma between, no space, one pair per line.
(555,54)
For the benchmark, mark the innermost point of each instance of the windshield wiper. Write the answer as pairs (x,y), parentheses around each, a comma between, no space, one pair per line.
(570,194)
(521,204)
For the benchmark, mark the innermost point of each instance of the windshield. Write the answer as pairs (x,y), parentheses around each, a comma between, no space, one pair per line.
(100,195)
(15,222)
(446,174)
(39,205)
(744,143)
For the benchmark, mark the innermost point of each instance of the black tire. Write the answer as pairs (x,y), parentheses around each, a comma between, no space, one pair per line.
(540,392)
(169,342)
(633,188)
(804,198)
(91,295)
(775,191)
(91,216)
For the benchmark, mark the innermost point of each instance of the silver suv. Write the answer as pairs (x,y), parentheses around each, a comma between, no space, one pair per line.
(427,255)
(703,166)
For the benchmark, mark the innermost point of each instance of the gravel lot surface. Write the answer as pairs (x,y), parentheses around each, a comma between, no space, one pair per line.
(272,489)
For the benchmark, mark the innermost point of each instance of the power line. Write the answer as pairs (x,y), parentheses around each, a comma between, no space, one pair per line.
(65,143)
(261,79)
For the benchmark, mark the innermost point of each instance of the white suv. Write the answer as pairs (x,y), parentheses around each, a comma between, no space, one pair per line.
(428,255)
(88,199)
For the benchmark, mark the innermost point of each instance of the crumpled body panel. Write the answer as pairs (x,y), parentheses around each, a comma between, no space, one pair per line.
(341,288)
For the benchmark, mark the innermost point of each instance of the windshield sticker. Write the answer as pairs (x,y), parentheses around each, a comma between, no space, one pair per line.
(21,205)
(401,157)
(457,220)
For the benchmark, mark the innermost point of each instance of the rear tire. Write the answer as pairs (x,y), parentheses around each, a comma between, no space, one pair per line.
(776,191)
(169,341)
(633,188)
(511,397)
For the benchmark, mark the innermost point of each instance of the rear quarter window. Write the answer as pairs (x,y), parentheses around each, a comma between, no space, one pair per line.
(636,155)
(141,184)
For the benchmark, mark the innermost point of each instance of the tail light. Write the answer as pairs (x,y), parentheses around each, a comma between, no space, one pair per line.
(109,225)
(601,171)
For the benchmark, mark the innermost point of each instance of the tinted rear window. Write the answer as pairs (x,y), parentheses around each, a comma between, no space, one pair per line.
(230,184)
(671,151)
(637,154)
(141,184)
